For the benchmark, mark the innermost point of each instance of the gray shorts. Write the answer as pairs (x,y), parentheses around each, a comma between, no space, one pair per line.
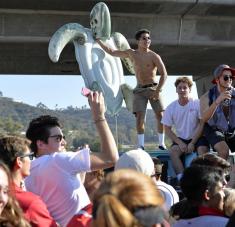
(141,98)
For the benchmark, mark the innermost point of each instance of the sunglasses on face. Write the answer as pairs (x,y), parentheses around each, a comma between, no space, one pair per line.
(146,38)
(58,137)
(30,155)
(228,77)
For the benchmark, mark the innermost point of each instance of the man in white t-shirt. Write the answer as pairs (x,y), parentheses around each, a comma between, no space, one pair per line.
(169,194)
(55,173)
(184,116)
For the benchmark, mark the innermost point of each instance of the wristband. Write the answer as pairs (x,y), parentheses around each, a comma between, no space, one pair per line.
(99,120)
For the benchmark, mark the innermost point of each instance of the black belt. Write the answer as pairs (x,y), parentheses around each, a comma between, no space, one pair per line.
(147,85)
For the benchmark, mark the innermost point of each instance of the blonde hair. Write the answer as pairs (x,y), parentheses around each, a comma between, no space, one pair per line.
(12,214)
(121,195)
(229,201)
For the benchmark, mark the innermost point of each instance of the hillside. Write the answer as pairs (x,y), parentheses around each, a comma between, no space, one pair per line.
(77,122)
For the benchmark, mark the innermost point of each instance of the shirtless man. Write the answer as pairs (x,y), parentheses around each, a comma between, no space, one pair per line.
(146,63)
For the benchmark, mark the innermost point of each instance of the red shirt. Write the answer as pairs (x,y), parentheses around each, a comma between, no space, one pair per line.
(83,218)
(35,210)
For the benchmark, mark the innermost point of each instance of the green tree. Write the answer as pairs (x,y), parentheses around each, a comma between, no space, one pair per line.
(12,127)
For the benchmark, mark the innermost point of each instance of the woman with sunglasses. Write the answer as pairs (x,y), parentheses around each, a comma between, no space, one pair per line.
(15,153)
(218,111)
(10,213)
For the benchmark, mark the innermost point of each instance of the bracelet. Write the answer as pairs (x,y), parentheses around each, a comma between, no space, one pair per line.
(99,120)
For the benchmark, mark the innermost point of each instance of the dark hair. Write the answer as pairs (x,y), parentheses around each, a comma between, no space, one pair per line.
(140,32)
(211,160)
(184,79)
(39,129)
(11,147)
(197,179)
(157,166)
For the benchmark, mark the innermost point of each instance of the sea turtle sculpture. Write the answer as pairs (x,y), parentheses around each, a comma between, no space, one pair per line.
(99,70)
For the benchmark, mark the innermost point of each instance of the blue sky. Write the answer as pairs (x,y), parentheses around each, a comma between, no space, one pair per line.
(62,91)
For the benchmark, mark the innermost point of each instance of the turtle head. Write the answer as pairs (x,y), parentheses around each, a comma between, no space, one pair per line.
(100,21)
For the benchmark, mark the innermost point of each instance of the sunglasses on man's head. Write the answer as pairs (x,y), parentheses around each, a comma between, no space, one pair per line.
(58,137)
(228,77)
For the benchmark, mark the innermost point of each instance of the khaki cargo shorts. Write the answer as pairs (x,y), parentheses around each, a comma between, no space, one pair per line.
(141,98)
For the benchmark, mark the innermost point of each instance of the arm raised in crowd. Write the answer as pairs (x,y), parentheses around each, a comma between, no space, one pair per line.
(109,153)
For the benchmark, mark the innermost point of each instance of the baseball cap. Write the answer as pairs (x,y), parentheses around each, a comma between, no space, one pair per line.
(218,71)
(138,160)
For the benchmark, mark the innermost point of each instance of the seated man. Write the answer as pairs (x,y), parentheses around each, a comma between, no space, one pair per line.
(54,173)
(184,115)
(15,153)
(218,111)
(203,187)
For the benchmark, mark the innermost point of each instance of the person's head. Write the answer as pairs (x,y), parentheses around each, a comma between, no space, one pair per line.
(10,212)
(143,38)
(204,185)
(157,168)
(45,134)
(223,76)
(15,153)
(183,86)
(229,201)
(210,159)
(138,160)
(100,21)
(213,160)
(127,198)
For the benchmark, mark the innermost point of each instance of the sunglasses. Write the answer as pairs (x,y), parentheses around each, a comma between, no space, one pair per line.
(30,155)
(58,137)
(228,77)
(146,38)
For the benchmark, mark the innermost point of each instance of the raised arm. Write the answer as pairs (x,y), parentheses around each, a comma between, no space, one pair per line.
(109,154)
(115,53)
(207,111)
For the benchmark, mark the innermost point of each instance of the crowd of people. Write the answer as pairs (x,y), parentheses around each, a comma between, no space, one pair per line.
(43,184)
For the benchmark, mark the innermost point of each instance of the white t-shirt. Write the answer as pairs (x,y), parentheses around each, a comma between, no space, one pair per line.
(185,119)
(202,221)
(56,180)
(169,194)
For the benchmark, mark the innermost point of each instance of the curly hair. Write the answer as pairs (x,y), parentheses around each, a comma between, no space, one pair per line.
(184,79)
